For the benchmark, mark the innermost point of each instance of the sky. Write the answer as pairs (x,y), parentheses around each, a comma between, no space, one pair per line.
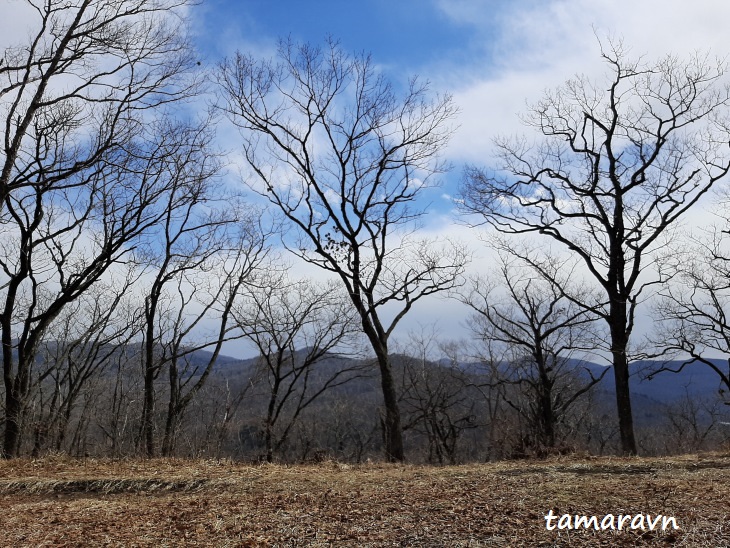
(494,57)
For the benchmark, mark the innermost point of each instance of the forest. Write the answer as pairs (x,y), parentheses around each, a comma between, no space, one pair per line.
(138,254)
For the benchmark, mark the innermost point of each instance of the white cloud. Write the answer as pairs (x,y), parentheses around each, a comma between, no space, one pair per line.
(537,46)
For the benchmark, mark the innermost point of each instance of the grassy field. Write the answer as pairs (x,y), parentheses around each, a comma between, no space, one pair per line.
(65,502)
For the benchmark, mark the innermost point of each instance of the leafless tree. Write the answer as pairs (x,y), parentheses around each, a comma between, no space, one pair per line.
(201,254)
(435,395)
(345,159)
(229,402)
(617,164)
(693,423)
(86,337)
(88,64)
(84,163)
(59,245)
(541,338)
(119,405)
(693,306)
(214,292)
(351,433)
(295,326)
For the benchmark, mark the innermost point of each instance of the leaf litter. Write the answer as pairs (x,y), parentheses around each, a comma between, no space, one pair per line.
(59,501)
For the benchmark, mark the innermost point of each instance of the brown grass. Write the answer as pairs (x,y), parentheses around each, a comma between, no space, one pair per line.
(65,502)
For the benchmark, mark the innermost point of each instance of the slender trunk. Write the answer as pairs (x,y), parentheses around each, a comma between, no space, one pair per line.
(148,438)
(62,427)
(269,442)
(619,344)
(170,438)
(116,411)
(13,402)
(392,430)
(150,370)
(269,426)
(173,411)
(547,418)
(13,419)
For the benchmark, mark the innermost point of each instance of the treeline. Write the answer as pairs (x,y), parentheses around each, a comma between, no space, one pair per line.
(452,413)
(130,256)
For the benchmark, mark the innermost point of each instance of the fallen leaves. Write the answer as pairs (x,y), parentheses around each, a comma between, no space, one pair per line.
(65,502)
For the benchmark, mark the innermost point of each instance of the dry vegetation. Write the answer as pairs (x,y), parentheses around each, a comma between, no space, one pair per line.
(64,502)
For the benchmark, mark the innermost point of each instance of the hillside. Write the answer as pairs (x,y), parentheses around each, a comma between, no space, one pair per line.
(695,380)
(450,414)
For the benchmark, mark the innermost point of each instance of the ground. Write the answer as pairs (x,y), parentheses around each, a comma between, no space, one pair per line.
(59,501)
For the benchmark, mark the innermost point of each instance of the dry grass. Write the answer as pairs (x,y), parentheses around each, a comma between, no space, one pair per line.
(64,502)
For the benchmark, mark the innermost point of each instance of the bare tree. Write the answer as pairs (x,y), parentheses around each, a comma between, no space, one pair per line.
(295,327)
(84,163)
(58,246)
(88,64)
(86,337)
(214,291)
(345,159)
(618,164)
(693,423)
(542,338)
(692,311)
(202,252)
(228,401)
(119,401)
(436,397)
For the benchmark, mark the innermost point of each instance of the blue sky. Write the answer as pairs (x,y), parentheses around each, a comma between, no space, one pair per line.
(493,56)
(400,34)
(424,38)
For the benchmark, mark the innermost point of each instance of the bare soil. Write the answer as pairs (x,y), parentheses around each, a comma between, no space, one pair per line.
(59,501)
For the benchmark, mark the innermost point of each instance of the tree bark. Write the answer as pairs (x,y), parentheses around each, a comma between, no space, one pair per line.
(392,430)
(619,343)
(13,412)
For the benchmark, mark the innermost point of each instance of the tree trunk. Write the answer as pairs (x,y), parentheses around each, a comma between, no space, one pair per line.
(150,369)
(169,440)
(13,412)
(270,414)
(16,396)
(619,343)
(392,431)
(173,411)
(148,438)
(547,419)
